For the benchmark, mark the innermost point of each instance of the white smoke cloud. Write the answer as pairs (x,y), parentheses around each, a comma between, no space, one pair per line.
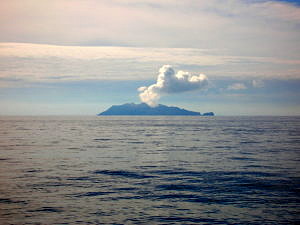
(169,82)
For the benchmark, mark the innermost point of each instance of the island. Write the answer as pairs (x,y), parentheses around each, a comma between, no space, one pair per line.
(142,109)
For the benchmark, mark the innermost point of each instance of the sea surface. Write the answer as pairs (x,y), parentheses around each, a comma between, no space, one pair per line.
(149,170)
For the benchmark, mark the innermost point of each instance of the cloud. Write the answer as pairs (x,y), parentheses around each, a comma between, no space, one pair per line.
(52,63)
(258,83)
(169,82)
(237,25)
(237,86)
(232,38)
(177,55)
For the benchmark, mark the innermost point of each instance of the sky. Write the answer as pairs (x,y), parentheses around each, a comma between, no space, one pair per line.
(79,57)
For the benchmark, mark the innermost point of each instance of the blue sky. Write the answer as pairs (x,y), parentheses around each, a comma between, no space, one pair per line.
(79,57)
(296,2)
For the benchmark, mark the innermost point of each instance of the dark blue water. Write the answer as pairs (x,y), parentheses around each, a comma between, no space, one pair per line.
(149,170)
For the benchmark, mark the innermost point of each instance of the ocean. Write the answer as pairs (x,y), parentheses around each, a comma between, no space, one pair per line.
(149,170)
